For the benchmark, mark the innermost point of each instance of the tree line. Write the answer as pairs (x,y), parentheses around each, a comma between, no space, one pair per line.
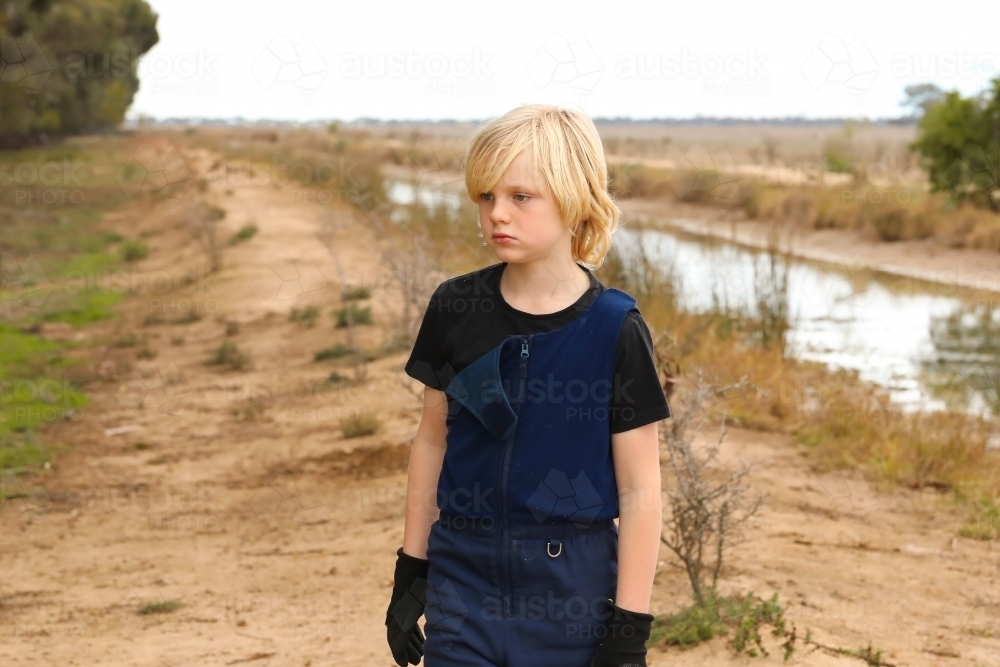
(69,66)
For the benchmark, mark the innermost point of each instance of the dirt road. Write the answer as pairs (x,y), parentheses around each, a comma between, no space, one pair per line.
(235,493)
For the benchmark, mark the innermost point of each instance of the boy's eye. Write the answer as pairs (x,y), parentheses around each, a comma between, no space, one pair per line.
(521,195)
(485,195)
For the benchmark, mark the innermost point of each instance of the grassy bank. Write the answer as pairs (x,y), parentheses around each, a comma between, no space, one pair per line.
(891,211)
(55,251)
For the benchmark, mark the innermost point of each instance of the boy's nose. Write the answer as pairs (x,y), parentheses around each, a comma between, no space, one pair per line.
(499,213)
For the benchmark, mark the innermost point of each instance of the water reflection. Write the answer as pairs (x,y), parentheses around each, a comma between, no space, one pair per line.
(404,194)
(920,343)
(963,369)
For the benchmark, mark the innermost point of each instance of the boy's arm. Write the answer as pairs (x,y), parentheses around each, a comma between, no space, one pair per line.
(636,455)
(426,457)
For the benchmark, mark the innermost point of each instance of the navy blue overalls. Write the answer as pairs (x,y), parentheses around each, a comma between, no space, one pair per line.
(524,555)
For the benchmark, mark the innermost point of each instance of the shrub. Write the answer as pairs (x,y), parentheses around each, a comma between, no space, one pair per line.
(187,318)
(337,378)
(246,232)
(361,424)
(358,315)
(836,162)
(356,293)
(229,355)
(130,339)
(132,251)
(888,221)
(957,141)
(335,352)
(305,315)
(160,607)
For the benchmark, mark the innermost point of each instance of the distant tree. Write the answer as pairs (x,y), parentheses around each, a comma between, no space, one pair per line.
(958,140)
(920,97)
(69,66)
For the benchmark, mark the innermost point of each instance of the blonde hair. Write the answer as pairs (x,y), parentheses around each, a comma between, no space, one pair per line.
(567,153)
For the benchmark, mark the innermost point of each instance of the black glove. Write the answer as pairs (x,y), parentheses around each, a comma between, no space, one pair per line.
(409,597)
(624,645)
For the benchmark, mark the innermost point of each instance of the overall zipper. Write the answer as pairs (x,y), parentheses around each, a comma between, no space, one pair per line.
(505,585)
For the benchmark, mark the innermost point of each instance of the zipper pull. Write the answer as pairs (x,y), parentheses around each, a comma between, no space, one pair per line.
(524,348)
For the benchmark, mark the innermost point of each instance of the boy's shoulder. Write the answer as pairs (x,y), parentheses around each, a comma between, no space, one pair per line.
(479,284)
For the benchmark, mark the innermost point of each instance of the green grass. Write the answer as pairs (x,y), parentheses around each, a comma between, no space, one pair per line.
(306,315)
(358,315)
(22,456)
(80,309)
(336,352)
(160,607)
(361,424)
(245,233)
(740,618)
(983,522)
(228,354)
(31,394)
(356,293)
(62,262)
(132,251)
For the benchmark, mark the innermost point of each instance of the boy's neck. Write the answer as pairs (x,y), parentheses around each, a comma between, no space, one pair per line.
(541,289)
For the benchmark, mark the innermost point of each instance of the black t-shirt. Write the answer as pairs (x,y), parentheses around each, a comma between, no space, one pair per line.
(467,317)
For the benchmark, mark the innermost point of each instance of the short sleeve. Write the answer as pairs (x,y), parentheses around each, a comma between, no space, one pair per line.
(638,397)
(428,360)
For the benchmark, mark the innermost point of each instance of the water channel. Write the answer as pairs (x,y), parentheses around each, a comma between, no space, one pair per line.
(929,345)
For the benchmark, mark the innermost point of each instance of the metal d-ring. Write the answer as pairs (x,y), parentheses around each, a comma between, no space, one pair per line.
(548,549)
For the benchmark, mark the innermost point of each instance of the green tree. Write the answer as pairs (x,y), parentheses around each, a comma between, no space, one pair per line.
(69,66)
(920,97)
(959,142)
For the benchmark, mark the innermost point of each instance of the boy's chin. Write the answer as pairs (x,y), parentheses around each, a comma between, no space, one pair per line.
(508,254)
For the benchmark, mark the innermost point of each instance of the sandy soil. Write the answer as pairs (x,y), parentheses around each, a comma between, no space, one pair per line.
(916,265)
(244,501)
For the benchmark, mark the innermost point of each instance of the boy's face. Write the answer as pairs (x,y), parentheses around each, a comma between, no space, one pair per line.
(520,219)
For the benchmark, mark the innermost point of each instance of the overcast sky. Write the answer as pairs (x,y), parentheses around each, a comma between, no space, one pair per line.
(305,60)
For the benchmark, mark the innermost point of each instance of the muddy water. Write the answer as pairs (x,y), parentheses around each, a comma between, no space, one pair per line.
(930,348)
